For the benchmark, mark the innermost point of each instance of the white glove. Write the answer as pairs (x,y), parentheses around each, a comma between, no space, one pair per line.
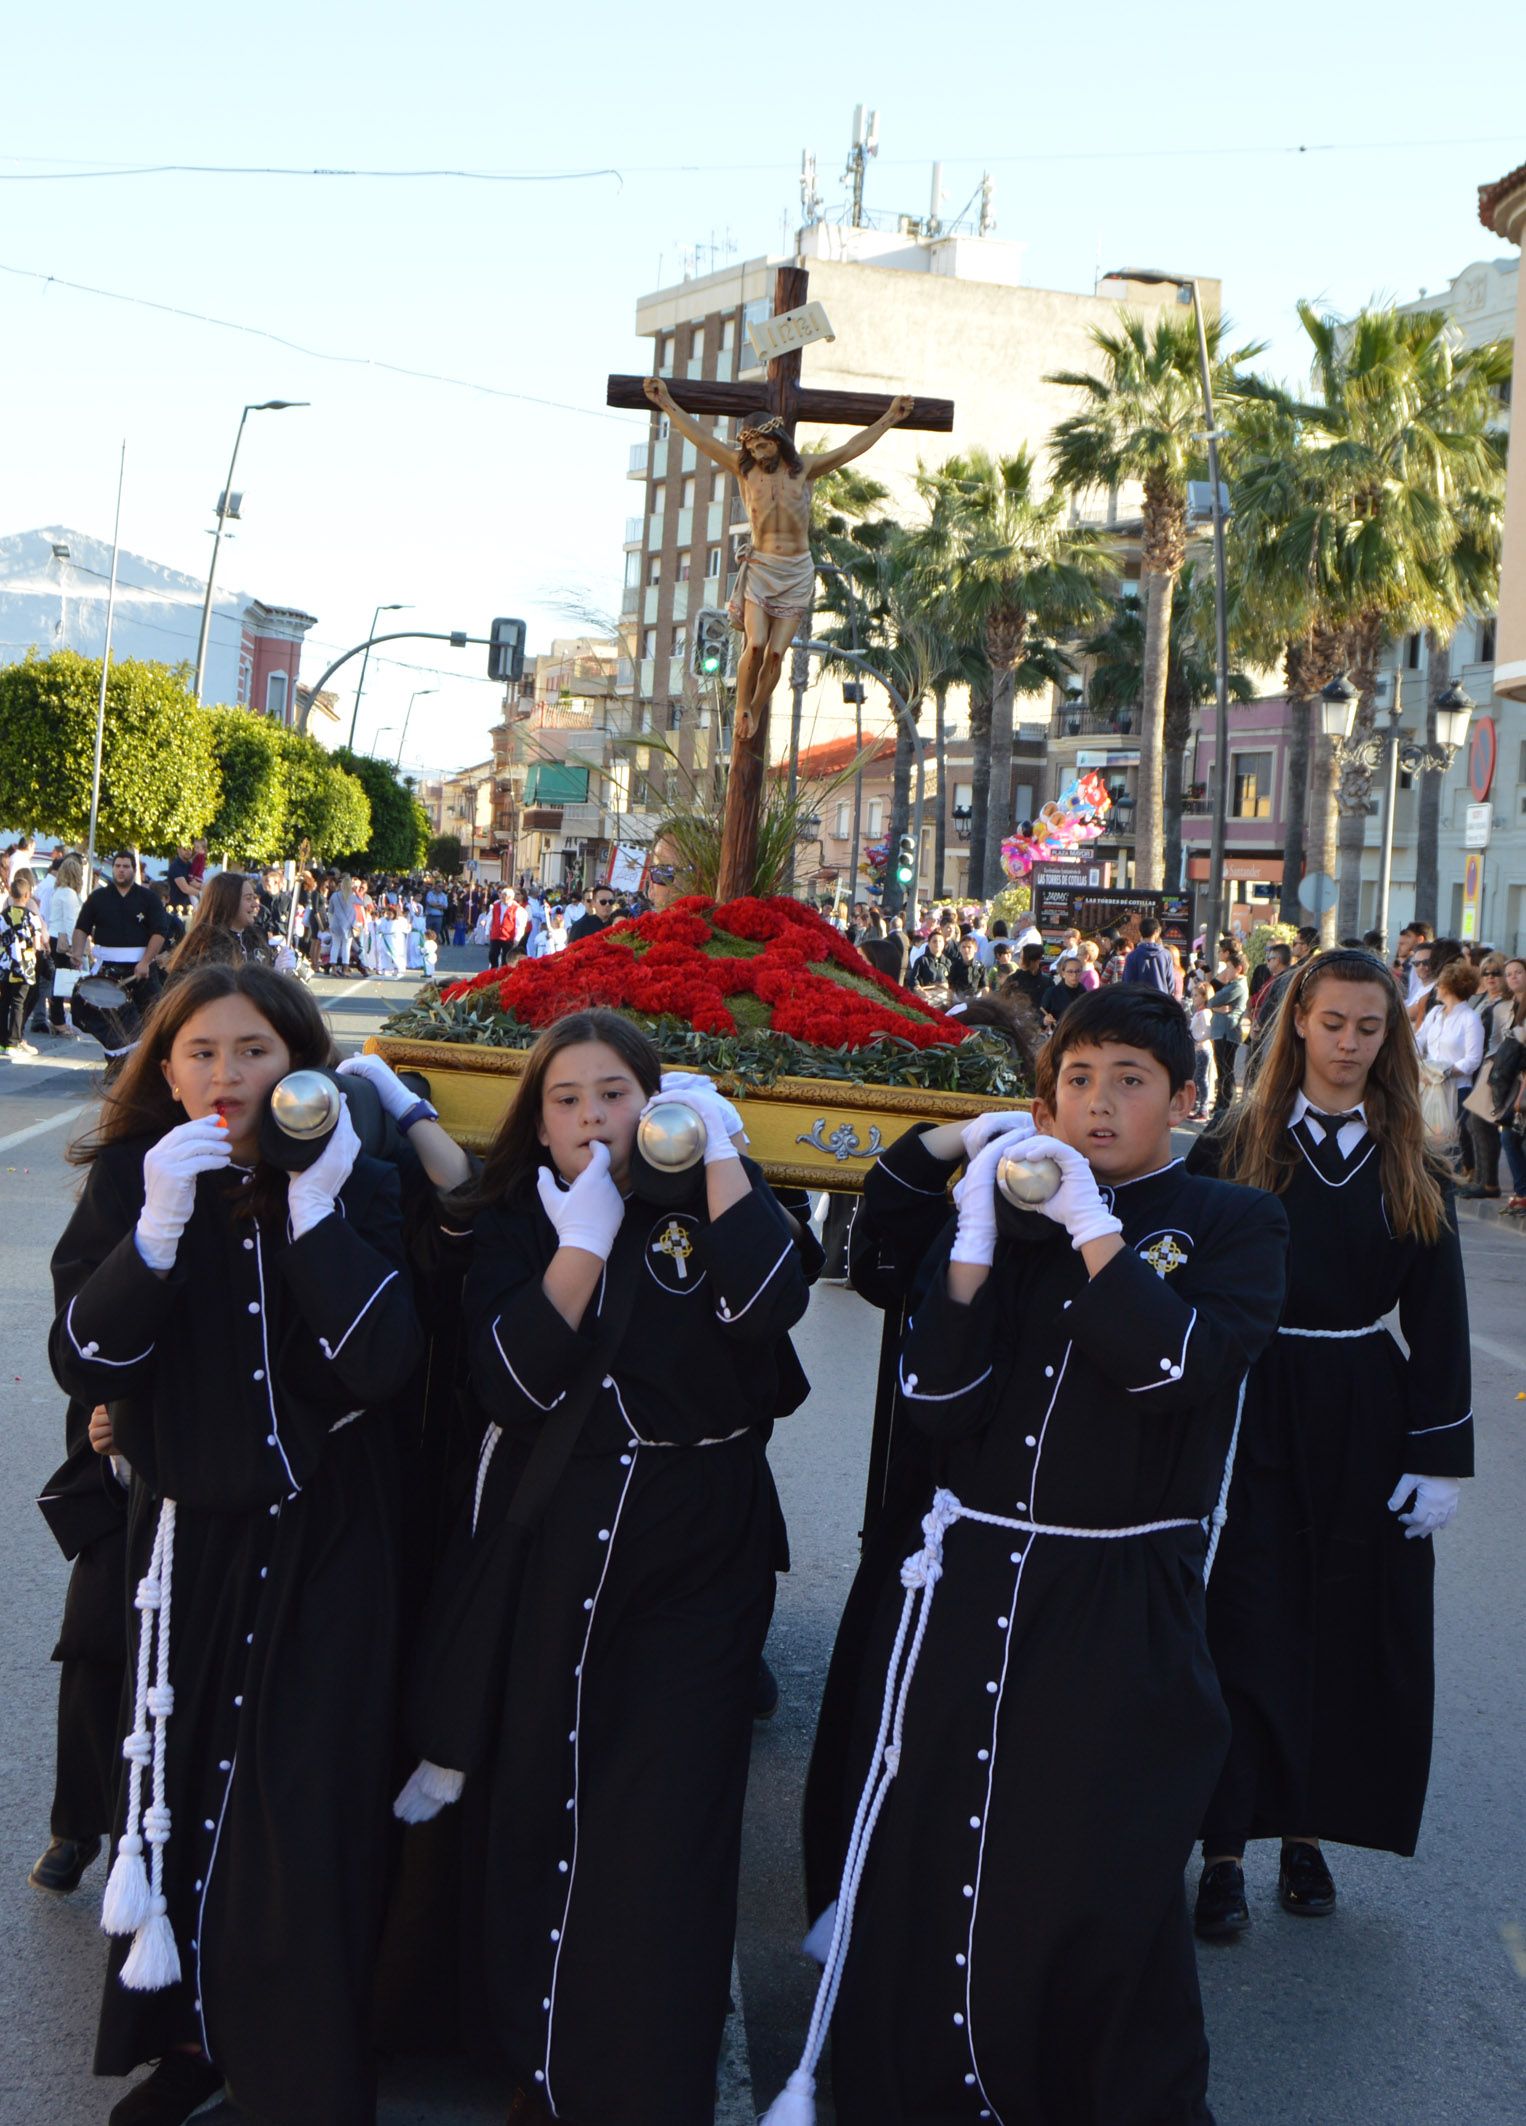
(975,1194)
(170,1168)
(310,1195)
(1003,1122)
(719,1116)
(685,1081)
(588,1212)
(1077,1202)
(376,1070)
(429,1788)
(285,960)
(1435,1504)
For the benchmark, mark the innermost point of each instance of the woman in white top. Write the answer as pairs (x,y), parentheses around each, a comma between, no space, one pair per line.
(1451,1037)
(62,916)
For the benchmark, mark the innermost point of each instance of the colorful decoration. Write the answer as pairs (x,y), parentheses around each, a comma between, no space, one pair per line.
(747,962)
(1077,816)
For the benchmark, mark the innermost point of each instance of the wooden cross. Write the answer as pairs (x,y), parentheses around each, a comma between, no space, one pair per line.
(781,394)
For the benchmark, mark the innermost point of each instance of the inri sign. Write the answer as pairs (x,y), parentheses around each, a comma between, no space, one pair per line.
(789,330)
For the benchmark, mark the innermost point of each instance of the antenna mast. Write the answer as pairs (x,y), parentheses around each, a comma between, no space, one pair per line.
(987,204)
(810,198)
(866,142)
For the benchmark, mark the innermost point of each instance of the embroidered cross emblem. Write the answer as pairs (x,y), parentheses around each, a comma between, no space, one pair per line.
(674,1242)
(1165,1256)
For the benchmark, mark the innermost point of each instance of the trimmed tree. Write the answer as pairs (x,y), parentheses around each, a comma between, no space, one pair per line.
(251,820)
(397,836)
(160,782)
(445,854)
(325,805)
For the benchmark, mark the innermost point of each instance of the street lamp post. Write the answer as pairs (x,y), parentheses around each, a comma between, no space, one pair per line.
(412,698)
(224,505)
(366,659)
(1454,708)
(1187,291)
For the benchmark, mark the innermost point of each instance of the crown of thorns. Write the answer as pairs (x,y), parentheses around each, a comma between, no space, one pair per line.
(773,426)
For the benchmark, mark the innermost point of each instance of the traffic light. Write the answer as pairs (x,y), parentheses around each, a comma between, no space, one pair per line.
(506,651)
(709,643)
(905,861)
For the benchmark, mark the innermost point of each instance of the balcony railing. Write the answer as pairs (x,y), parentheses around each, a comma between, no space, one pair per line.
(636,463)
(1094,723)
(633,526)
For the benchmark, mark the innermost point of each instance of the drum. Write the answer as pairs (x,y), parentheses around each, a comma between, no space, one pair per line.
(104,1010)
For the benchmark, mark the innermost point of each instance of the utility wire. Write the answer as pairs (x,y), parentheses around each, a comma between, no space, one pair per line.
(1236,149)
(317,354)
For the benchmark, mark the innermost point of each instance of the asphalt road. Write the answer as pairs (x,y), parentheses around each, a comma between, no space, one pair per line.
(1409,2006)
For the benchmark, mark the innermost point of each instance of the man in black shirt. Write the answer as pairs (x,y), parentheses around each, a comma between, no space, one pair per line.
(1030,978)
(123,925)
(184,885)
(598,915)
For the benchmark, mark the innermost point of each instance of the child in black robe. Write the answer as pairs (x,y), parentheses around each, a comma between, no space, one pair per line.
(1320,1613)
(1032,1721)
(596,1679)
(249,1333)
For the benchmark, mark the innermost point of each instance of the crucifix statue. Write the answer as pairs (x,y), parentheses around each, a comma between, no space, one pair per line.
(775,587)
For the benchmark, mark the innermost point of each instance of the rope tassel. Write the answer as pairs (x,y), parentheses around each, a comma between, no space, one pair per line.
(135,1903)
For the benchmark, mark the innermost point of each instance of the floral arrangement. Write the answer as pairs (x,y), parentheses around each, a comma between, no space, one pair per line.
(747,964)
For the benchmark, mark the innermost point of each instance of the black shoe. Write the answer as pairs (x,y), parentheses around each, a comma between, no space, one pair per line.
(765,1698)
(65,1861)
(182,2084)
(1221,1910)
(1304,1885)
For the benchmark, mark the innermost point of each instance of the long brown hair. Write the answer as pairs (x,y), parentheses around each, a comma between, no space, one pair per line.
(517,1151)
(216,931)
(1257,1147)
(139,1102)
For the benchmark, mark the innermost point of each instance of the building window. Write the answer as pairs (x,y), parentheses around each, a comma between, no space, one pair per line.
(876,816)
(728,334)
(654,568)
(718,487)
(675,715)
(245,679)
(713,561)
(685,568)
(659,500)
(686,493)
(1412,653)
(633,570)
(680,641)
(843,819)
(649,642)
(664,354)
(1253,786)
(1487,631)
(964,796)
(275,695)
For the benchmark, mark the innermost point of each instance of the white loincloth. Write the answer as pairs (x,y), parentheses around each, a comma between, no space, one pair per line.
(784,585)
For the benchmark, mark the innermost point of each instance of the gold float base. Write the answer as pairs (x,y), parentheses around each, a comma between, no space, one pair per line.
(804,1132)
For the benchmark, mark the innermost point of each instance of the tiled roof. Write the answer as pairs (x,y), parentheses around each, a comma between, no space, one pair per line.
(1491,197)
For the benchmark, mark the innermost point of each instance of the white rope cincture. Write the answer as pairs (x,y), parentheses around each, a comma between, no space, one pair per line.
(1215,1524)
(795,2105)
(135,1903)
(490,1439)
(1373,1328)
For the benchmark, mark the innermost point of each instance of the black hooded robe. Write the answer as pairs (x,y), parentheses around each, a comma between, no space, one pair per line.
(250,1386)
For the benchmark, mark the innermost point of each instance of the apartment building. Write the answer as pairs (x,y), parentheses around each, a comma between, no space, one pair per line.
(947,315)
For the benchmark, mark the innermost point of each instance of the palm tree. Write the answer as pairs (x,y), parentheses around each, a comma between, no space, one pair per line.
(1391,511)
(1143,421)
(1020,578)
(1117,675)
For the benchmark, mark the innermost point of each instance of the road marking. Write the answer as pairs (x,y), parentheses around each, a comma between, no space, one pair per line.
(37,1129)
(1505,1353)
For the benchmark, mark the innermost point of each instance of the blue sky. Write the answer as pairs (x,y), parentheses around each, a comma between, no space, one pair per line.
(467,503)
